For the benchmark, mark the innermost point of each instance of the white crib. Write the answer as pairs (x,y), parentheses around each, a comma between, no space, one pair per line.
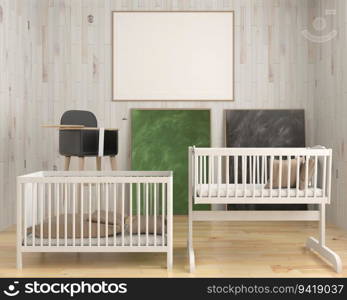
(91,209)
(261,176)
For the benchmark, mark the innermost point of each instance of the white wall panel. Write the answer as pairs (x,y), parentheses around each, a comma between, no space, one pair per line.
(330,107)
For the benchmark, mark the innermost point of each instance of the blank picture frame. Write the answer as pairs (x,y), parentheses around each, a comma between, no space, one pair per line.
(173,56)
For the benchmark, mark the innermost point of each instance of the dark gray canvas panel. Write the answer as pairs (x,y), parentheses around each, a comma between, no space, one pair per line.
(265,128)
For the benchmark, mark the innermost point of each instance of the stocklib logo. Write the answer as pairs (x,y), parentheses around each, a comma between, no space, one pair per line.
(320,24)
(11,290)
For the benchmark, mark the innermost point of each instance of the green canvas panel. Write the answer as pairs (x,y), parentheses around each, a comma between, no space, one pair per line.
(160,141)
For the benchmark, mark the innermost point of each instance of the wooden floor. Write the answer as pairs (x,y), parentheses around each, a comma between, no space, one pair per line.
(223,249)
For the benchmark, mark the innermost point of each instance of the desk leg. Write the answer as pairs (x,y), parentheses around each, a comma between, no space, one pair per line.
(67,163)
(81,163)
(113,163)
(98,163)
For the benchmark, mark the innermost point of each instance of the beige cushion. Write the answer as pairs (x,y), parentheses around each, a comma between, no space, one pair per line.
(143,224)
(94,217)
(309,173)
(78,227)
(276,171)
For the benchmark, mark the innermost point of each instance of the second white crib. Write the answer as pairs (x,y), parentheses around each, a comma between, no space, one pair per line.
(261,176)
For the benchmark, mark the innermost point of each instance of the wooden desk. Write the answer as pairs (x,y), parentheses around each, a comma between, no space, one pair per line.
(100,147)
(76,127)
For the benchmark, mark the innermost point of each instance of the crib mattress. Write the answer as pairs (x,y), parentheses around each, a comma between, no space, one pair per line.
(94,241)
(233,191)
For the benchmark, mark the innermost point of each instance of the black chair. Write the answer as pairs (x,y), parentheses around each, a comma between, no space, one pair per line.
(84,141)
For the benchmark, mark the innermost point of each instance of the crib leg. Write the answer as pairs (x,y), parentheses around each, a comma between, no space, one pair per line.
(319,246)
(191,255)
(169,225)
(169,260)
(19,260)
(327,253)
(19,227)
(190,249)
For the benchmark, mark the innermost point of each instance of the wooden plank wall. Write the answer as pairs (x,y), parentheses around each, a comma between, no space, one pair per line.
(330,108)
(20,113)
(55,60)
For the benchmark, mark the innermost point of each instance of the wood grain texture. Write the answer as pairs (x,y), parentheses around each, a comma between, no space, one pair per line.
(52,59)
(223,249)
(330,109)
(18,115)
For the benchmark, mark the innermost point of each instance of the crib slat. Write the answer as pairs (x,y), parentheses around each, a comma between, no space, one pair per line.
(200,171)
(315,176)
(236,173)
(254,174)
(33,207)
(98,209)
(324,176)
(195,174)
(155,214)
(143,196)
(114,214)
(73,214)
(219,172)
(271,174)
(280,178)
(258,170)
(163,214)
(297,175)
(123,191)
(65,213)
(210,171)
(306,175)
(146,200)
(213,170)
(57,216)
(49,213)
(262,176)
(81,187)
(106,208)
(131,213)
(244,174)
(205,168)
(90,212)
(41,215)
(24,201)
(289,170)
(138,214)
(250,169)
(329,177)
(266,168)
(150,200)
(227,176)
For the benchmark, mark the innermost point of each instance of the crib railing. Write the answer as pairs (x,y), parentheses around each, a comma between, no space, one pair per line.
(72,211)
(253,175)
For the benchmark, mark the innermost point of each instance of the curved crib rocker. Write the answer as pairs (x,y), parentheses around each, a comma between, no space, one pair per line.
(261,176)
